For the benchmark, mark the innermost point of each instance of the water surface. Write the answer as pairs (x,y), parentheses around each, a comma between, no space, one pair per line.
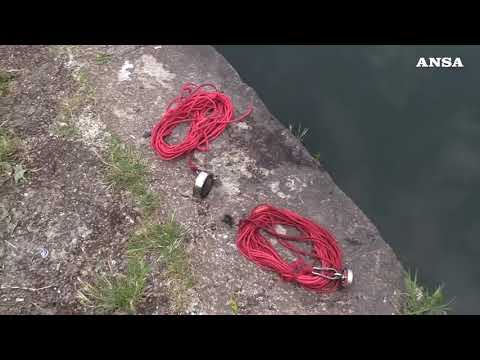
(402,142)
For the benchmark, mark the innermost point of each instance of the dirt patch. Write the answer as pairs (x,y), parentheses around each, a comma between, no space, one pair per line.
(64,223)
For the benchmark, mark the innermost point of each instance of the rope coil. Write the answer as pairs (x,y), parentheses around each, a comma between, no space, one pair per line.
(255,247)
(207,112)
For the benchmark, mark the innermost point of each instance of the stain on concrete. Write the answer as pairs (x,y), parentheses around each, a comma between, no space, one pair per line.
(150,67)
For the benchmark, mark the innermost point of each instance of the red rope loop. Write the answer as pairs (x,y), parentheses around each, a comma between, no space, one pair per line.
(207,112)
(255,247)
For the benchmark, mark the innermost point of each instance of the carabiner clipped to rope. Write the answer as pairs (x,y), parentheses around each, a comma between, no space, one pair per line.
(324,248)
(346,276)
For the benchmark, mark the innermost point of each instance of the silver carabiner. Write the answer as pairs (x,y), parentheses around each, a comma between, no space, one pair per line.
(336,275)
(346,276)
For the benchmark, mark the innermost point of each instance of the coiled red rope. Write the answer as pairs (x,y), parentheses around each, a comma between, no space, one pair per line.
(207,112)
(255,247)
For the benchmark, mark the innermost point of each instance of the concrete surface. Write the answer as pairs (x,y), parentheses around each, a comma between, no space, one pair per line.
(256,161)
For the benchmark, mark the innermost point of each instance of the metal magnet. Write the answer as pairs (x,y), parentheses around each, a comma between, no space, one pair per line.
(347,278)
(203,184)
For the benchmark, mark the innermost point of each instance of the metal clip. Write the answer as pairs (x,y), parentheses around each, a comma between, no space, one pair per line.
(346,276)
(336,274)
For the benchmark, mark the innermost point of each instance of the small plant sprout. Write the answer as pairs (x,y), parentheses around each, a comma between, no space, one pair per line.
(128,171)
(103,58)
(120,293)
(233,305)
(419,301)
(163,239)
(19,173)
(5,80)
(9,146)
(299,132)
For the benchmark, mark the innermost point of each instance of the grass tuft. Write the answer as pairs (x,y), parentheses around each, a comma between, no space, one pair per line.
(103,58)
(127,171)
(9,146)
(165,240)
(419,301)
(66,130)
(19,174)
(148,202)
(86,91)
(70,107)
(120,293)
(299,132)
(233,305)
(5,80)
(179,269)
(65,127)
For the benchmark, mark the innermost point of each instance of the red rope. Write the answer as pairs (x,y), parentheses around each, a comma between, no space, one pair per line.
(208,112)
(255,247)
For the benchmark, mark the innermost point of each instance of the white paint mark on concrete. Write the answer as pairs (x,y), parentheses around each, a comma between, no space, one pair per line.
(158,47)
(282,195)
(155,69)
(294,183)
(243,125)
(125,72)
(275,187)
(71,62)
(265,172)
(290,183)
(121,113)
(84,232)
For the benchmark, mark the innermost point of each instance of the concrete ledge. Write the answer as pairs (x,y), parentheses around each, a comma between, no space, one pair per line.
(257,161)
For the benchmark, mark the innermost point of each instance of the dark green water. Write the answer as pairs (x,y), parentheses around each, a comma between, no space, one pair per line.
(402,142)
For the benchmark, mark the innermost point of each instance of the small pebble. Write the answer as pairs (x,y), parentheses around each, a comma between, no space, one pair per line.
(147,134)
(44,253)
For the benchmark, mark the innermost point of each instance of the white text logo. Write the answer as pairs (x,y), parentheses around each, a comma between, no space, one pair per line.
(439,62)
